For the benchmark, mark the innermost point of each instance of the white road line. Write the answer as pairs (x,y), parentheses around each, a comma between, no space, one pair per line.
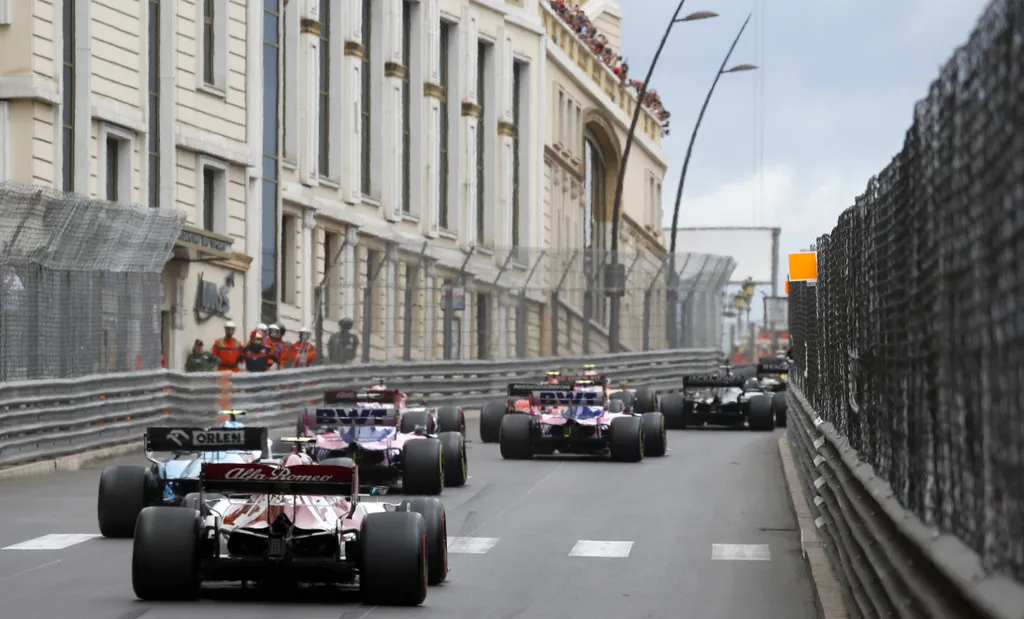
(608,550)
(471,545)
(53,541)
(740,552)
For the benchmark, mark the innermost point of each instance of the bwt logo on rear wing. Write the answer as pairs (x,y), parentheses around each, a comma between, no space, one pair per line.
(711,381)
(199,439)
(372,415)
(769,368)
(254,478)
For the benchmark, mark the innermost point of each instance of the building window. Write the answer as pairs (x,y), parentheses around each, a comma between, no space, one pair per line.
(517,86)
(482,58)
(213,49)
(271,157)
(406,108)
(366,98)
(209,41)
(289,258)
(68,102)
(154,103)
(214,176)
(443,166)
(325,88)
(116,160)
(594,213)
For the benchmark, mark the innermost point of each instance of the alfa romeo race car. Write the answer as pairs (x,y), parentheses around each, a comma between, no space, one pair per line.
(125,490)
(576,418)
(399,447)
(719,400)
(279,525)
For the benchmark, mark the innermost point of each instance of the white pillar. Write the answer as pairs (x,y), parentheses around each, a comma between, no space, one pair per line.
(428,73)
(502,326)
(308,265)
(309,85)
(83,98)
(254,141)
(390,150)
(390,311)
(429,319)
(467,319)
(351,118)
(351,286)
(469,125)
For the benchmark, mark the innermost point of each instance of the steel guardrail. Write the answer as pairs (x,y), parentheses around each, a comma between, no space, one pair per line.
(890,563)
(51,418)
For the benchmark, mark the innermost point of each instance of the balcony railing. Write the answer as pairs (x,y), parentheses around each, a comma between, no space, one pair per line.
(603,77)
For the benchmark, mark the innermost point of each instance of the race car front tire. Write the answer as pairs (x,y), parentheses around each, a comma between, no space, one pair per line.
(515,437)
(433,514)
(393,559)
(626,439)
(165,555)
(627,398)
(760,416)
(490,420)
(423,467)
(124,491)
(410,420)
(781,407)
(451,419)
(673,407)
(655,437)
(645,401)
(453,450)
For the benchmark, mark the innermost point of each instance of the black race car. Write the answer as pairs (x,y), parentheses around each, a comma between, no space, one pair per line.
(719,400)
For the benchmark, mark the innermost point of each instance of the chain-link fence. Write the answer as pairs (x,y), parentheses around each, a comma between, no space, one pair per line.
(912,340)
(82,287)
(435,301)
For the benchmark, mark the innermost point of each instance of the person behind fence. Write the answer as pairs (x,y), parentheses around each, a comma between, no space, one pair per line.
(257,356)
(228,350)
(303,352)
(343,344)
(200,360)
(275,342)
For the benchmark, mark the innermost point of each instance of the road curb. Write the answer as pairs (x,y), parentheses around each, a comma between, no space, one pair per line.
(828,593)
(71,462)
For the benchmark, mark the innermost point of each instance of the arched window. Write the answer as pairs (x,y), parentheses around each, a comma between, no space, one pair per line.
(595,191)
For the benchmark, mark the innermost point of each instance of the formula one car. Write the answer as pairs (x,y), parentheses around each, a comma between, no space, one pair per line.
(576,418)
(718,400)
(125,490)
(400,448)
(773,378)
(436,419)
(641,400)
(282,524)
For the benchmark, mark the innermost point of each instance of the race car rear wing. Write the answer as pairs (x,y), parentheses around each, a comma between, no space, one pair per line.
(528,389)
(348,396)
(714,381)
(373,415)
(185,440)
(254,478)
(772,368)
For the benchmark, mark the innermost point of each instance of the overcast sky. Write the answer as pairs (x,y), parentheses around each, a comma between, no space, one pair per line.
(839,81)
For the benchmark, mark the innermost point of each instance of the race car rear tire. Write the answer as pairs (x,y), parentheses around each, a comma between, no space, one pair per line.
(453,450)
(451,419)
(123,493)
(616,406)
(423,471)
(655,437)
(760,416)
(627,398)
(626,439)
(645,401)
(781,407)
(191,499)
(673,407)
(490,420)
(436,522)
(409,421)
(393,559)
(515,437)
(165,557)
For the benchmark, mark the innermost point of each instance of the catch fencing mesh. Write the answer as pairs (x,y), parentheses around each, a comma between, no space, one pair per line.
(82,289)
(912,340)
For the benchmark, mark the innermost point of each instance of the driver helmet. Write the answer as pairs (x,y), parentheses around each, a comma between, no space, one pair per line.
(590,370)
(554,377)
(521,406)
(229,423)
(380,385)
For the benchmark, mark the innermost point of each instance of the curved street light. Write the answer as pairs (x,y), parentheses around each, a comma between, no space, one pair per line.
(673,291)
(616,299)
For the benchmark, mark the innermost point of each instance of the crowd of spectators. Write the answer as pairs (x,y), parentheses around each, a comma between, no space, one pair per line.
(598,42)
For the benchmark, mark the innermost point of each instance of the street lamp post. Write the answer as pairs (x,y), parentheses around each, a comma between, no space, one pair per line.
(673,292)
(617,289)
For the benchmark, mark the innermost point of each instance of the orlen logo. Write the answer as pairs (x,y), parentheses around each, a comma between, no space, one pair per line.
(568,398)
(281,474)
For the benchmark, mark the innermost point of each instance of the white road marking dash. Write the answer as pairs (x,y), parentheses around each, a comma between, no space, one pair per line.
(608,550)
(53,541)
(740,552)
(471,545)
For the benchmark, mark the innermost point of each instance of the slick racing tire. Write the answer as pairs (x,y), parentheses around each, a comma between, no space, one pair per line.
(616,405)
(124,491)
(191,500)
(393,568)
(409,421)
(646,401)
(515,437)
(626,439)
(760,416)
(655,437)
(453,452)
(423,467)
(433,514)
(165,556)
(673,407)
(627,398)
(490,420)
(781,407)
(451,419)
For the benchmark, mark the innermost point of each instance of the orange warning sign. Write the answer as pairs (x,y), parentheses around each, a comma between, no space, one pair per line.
(803,266)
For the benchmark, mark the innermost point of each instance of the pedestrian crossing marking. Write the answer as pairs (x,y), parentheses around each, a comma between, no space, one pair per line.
(740,552)
(607,550)
(471,545)
(53,541)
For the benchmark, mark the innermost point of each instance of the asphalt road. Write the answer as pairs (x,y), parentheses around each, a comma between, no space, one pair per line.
(703,533)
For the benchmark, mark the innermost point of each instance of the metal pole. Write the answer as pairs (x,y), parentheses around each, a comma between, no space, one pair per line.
(410,295)
(555,303)
(449,305)
(647,305)
(319,303)
(522,311)
(775,280)
(368,304)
